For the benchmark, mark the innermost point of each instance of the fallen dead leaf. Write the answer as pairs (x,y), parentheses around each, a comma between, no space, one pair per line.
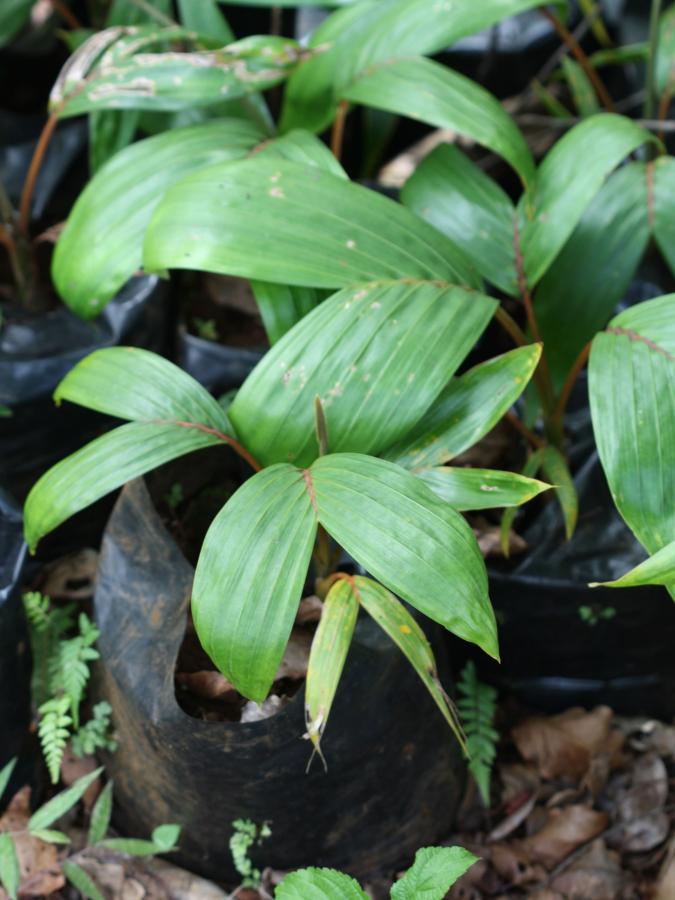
(595,875)
(490,541)
(309,611)
(296,655)
(74,767)
(513,862)
(564,745)
(565,830)
(207,684)
(71,577)
(38,861)
(508,825)
(231,292)
(639,805)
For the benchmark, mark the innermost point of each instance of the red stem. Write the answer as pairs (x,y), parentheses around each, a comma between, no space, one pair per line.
(34,169)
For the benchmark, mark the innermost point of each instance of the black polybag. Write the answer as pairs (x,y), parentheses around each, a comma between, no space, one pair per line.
(552,655)
(18,140)
(37,351)
(218,367)
(394,770)
(14,655)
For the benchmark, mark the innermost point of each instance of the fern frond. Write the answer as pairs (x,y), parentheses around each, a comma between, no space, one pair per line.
(69,667)
(96,733)
(54,731)
(477,706)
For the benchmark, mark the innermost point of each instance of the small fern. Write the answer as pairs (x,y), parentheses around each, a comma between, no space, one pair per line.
(60,676)
(96,733)
(54,731)
(69,665)
(48,626)
(246,833)
(477,706)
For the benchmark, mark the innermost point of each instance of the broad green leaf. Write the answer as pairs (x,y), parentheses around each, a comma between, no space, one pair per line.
(371,32)
(450,192)
(395,620)
(377,355)
(250,575)
(563,188)
(415,544)
(101,246)
(658,569)
(131,846)
(57,806)
(328,655)
(165,837)
(554,466)
(10,874)
(50,836)
(319,884)
(619,56)
(665,57)
(431,93)
(302,147)
(273,220)
(281,306)
(169,395)
(104,465)
(100,815)
(109,132)
(468,408)
(433,873)
(124,78)
(578,294)
(6,774)
(480,488)
(14,14)
(531,467)
(631,388)
(81,880)
(660,188)
(206,19)
(580,87)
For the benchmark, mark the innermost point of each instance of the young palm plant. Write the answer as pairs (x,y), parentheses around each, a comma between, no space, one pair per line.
(345,424)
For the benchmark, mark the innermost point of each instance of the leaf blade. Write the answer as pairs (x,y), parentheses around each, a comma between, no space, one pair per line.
(320,230)
(366,353)
(469,407)
(429,92)
(433,873)
(395,620)
(262,537)
(328,655)
(100,247)
(469,489)
(416,545)
(101,466)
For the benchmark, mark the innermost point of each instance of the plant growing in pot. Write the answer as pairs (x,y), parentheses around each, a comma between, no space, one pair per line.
(313,489)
